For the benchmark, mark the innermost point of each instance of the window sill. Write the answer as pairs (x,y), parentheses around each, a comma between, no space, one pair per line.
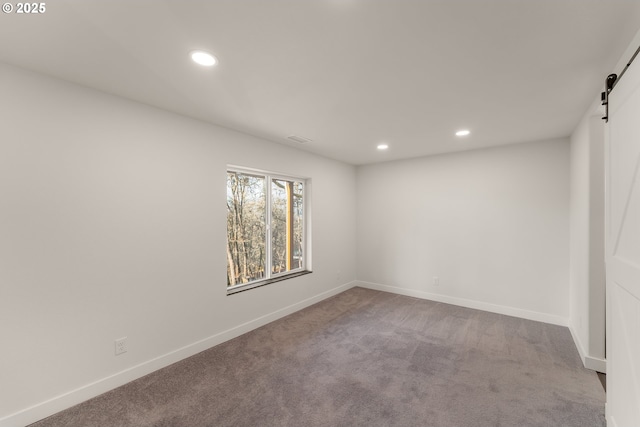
(241,288)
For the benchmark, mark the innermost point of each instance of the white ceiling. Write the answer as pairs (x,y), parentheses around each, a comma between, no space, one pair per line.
(347,74)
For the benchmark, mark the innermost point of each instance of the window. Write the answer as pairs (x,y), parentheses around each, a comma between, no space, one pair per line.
(265,228)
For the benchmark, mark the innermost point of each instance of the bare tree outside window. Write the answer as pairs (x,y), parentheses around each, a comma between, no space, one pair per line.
(246,228)
(265,226)
(286,225)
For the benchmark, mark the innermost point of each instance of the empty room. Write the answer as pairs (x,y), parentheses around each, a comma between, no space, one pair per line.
(320,213)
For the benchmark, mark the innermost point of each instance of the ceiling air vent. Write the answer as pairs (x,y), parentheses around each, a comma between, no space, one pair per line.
(299,139)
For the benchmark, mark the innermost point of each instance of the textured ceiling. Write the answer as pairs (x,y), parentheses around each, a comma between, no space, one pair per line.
(347,74)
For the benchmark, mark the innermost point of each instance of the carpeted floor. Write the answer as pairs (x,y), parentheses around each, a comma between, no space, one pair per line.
(366,358)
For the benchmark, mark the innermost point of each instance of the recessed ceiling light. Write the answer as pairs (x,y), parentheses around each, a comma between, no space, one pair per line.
(463,132)
(203,58)
(382,147)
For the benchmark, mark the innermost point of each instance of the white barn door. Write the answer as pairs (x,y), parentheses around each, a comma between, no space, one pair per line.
(623,251)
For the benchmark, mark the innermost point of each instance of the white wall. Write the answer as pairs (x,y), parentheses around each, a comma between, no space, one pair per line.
(112,224)
(587,275)
(492,224)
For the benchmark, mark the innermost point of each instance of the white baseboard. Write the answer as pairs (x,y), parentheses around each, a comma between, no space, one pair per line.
(589,362)
(595,364)
(463,302)
(81,394)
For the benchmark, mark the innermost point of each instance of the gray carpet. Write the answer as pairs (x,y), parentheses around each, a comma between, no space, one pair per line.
(366,358)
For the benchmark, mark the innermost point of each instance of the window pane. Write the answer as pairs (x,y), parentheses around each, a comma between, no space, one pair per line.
(286,225)
(246,228)
(298,234)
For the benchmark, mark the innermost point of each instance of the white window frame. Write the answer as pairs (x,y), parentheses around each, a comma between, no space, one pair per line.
(306,253)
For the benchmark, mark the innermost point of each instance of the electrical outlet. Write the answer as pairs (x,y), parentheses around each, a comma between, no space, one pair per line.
(436,281)
(121,345)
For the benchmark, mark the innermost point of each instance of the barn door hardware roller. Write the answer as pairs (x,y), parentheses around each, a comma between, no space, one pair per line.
(604,96)
(610,82)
